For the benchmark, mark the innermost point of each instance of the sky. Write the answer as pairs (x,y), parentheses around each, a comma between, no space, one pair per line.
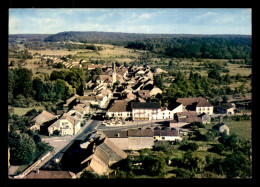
(131,20)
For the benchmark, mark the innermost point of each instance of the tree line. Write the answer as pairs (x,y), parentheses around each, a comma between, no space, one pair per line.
(227,47)
(168,45)
(59,85)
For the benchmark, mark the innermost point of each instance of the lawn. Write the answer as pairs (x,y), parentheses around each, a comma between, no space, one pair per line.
(22,111)
(241,128)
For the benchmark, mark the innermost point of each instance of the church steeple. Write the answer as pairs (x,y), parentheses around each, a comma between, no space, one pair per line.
(114,72)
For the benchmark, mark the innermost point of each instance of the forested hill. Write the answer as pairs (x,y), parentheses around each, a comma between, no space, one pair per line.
(170,45)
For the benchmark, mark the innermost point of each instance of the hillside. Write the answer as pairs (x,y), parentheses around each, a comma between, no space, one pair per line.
(167,45)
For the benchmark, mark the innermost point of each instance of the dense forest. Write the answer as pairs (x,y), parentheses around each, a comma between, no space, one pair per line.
(167,45)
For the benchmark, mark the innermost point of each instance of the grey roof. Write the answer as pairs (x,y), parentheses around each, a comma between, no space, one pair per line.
(224,106)
(146,105)
(116,134)
(166,132)
(140,133)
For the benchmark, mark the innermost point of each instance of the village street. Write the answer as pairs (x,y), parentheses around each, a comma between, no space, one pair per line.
(131,124)
(61,143)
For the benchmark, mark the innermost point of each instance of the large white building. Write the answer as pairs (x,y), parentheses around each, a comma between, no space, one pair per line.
(122,109)
(198,104)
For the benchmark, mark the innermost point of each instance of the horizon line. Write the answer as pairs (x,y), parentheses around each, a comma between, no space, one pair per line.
(136,33)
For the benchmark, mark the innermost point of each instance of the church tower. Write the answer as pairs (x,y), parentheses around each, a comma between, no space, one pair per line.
(114,73)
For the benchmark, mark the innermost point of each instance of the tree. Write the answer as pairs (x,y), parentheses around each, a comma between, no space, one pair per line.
(184,173)
(23,148)
(76,78)
(58,75)
(23,82)
(237,165)
(155,166)
(63,89)
(89,175)
(227,78)
(97,71)
(158,81)
(214,74)
(39,87)
(189,146)
(59,65)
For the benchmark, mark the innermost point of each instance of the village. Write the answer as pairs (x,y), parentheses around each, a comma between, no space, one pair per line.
(128,120)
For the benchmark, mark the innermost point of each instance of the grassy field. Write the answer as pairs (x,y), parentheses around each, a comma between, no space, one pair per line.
(109,52)
(241,128)
(22,111)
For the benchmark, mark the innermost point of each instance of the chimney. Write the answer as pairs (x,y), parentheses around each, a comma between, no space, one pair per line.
(37,170)
(118,134)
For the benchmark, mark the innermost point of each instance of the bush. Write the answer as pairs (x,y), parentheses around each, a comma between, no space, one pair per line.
(155,166)
(190,146)
(217,148)
(184,173)
(89,175)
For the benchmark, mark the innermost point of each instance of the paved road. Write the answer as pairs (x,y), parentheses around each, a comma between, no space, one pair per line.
(128,126)
(61,144)
(90,128)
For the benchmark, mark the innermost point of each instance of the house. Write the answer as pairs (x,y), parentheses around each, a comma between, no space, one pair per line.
(132,139)
(139,73)
(71,101)
(121,109)
(155,90)
(198,104)
(145,111)
(43,117)
(140,139)
(166,135)
(94,100)
(94,66)
(119,138)
(79,110)
(222,127)
(49,174)
(165,113)
(65,125)
(105,153)
(205,118)
(144,94)
(187,117)
(128,96)
(225,108)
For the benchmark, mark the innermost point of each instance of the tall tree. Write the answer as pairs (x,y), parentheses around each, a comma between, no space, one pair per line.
(23,83)
(23,148)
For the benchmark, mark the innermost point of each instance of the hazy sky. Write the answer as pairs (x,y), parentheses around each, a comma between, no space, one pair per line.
(132,20)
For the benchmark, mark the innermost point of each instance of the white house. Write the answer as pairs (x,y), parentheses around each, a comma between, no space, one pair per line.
(120,110)
(145,111)
(198,104)
(155,90)
(166,135)
(65,125)
(226,108)
(43,117)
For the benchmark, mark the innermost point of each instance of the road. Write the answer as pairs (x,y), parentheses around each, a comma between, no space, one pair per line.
(62,143)
(129,125)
